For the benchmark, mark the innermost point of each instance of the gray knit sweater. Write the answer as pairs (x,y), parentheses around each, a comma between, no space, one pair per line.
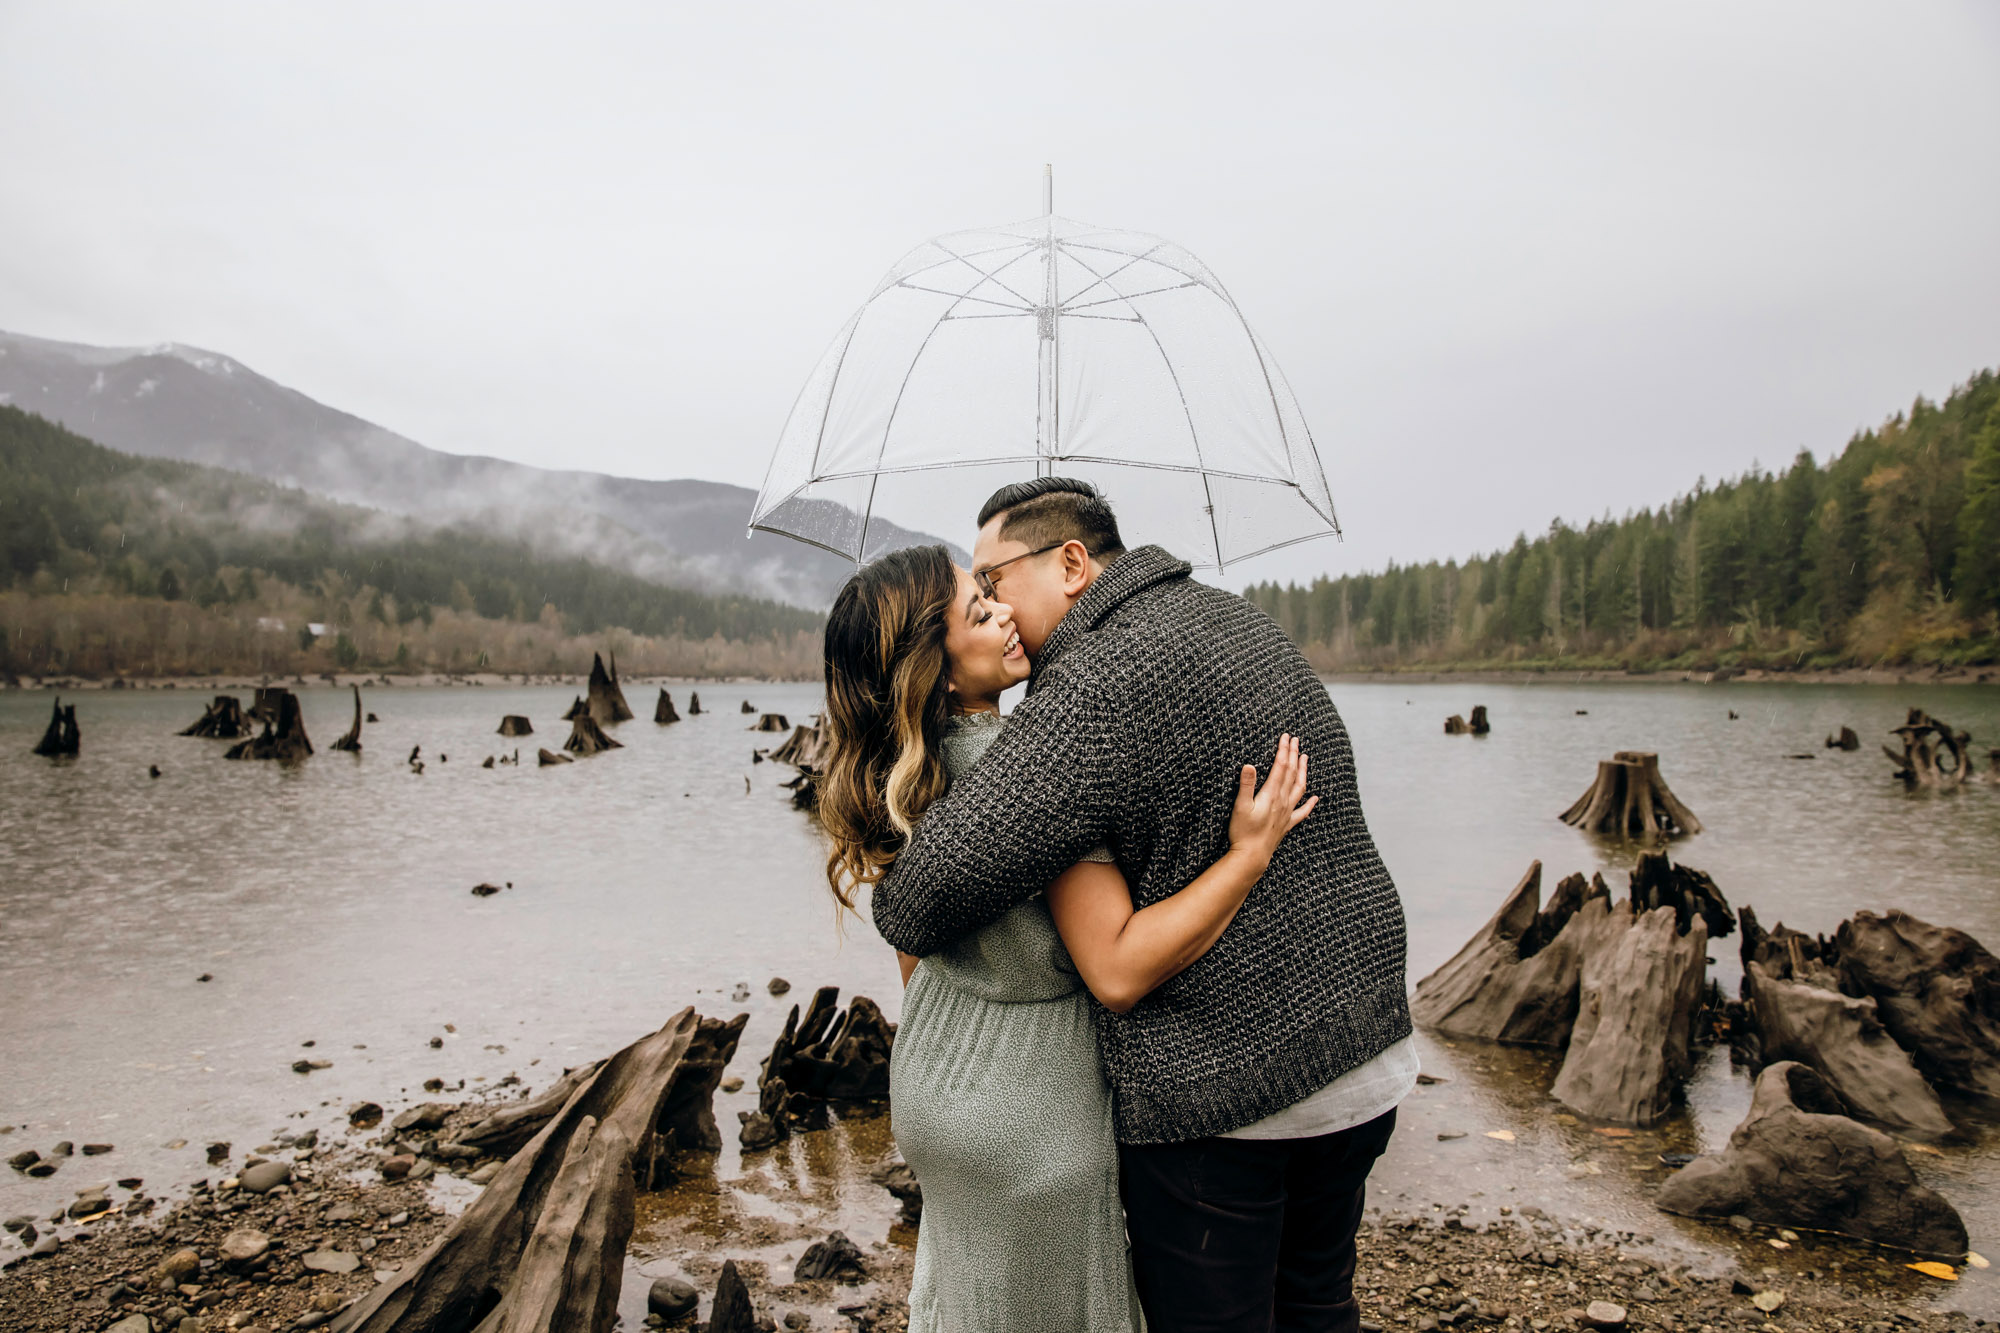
(1148,698)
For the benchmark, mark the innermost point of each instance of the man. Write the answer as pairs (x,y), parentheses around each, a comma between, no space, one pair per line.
(1254,1090)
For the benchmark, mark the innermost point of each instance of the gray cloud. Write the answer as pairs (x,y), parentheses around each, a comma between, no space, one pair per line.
(1515,267)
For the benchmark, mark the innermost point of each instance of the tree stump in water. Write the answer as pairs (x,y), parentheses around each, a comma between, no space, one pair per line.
(1799,1160)
(543,1246)
(284,735)
(1658,882)
(264,704)
(805,749)
(1846,740)
(1458,726)
(546,757)
(1631,1049)
(351,741)
(663,709)
(826,1056)
(224,720)
(63,737)
(748,708)
(772,722)
(587,738)
(577,708)
(1937,991)
(515,725)
(607,700)
(1631,799)
(694,703)
(1926,743)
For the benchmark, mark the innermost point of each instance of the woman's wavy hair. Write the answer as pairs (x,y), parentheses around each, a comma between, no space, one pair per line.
(886,705)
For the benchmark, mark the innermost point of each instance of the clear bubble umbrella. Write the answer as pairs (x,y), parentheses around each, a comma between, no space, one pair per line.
(1048,347)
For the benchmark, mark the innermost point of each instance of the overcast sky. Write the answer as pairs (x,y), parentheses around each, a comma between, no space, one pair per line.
(1518,261)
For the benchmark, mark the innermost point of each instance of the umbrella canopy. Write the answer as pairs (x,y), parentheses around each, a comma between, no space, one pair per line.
(1049,347)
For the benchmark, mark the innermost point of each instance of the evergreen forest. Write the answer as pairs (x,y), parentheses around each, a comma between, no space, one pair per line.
(111,563)
(1886,553)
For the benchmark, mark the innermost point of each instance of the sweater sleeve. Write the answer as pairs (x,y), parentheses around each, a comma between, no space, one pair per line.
(1040,798)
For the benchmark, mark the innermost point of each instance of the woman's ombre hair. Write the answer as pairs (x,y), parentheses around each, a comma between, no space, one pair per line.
(886,705)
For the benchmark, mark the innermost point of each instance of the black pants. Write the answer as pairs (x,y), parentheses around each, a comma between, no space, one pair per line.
(1249,1235)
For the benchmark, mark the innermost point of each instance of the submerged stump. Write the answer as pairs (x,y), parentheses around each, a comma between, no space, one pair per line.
(663,708)
(772,722)
(515,725)
(63,738)
(606,700)
(284,735)
(1927,745)
(1799,1160)
(694,703)
(224,720)
(748,708)
(587,738)
(1630,799)
(824,1056)
(1846,740)
(351,740)
(546,757)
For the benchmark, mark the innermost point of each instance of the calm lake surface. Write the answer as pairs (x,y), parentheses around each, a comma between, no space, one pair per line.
(330,901)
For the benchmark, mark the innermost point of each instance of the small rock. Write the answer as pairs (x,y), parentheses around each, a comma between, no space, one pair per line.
(308,1066)
(179,1266)
(758,1131)
(428,1116)
(485,890)
(397,1167)
(836,1257)
(63,1149)
(1447,1135)
(1604,1315)
(90,1205)
(21,1161)
(240,1247)
(364,1115)
(265,1176)
(218,1153)
(1768,1301)
(1740,1222)
(777,985)
(437,1043)
(732,1084)
(42,1169)
(330,1261)
(671,1298)
(96,1149)
(45,1247)
(740,992)
(132,1323)
(206,976)
(484,1175)
(1430,1080)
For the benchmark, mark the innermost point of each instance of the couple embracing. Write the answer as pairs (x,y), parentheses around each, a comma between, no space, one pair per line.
(1155,1027)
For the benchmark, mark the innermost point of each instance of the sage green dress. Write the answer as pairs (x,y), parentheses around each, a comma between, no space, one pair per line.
(1000,1106)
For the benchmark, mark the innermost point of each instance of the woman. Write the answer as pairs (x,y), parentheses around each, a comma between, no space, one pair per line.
(997,1098)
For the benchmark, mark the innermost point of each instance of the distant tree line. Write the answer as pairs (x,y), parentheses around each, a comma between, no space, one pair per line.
(81,520)
(1888,552)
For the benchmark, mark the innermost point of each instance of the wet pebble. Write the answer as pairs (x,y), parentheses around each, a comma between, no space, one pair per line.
(265,1176)
(671,1298)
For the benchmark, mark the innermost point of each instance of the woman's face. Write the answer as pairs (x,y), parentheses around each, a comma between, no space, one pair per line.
(982,646)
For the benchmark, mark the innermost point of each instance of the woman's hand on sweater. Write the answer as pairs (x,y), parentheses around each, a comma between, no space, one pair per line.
(1264,815)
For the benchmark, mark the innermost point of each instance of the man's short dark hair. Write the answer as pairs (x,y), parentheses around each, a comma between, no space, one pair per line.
(1050,510)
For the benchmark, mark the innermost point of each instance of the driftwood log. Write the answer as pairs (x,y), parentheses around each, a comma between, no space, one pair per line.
(607,700)
(543,1247)
(284,735)
(824,1056)
(1927,743)
(63,736)
(772,722)
(587,738)
(1798,1160)
(1846,740)
(694,703)
(515,725)
(224,720)
(663,708)
(351,740)
(1630,799)
(1458,726)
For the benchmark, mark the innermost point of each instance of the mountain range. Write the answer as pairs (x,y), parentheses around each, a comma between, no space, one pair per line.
(179,402)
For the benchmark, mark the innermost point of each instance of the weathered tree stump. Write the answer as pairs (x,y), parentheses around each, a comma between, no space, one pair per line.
(1798,1160)
(63,738)
(507,1130)
(1630,1050)
(1458,726)
(1937,991)
(772,722)
(284,735)
(1927,743)
(694,703)
(1846,740)
(1455,725)
(663,709)
(731,1311)
(825,1056)
(224,720)
(748,708)
(1630,799)
(544,1245)
(1657,882)
(350,741)
(687,1122)
(587,738)
(515,725)
(265,702)
(577,708)
(806,745)
(607,700)
(1842,1037)
(546,757)
(1516,980)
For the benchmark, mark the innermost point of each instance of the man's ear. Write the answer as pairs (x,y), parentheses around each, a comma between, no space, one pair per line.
(1076,571)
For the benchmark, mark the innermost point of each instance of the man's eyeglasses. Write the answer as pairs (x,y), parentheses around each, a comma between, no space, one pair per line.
(984,577)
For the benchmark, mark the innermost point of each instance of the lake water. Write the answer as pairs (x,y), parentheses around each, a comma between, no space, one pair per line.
(330,901)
